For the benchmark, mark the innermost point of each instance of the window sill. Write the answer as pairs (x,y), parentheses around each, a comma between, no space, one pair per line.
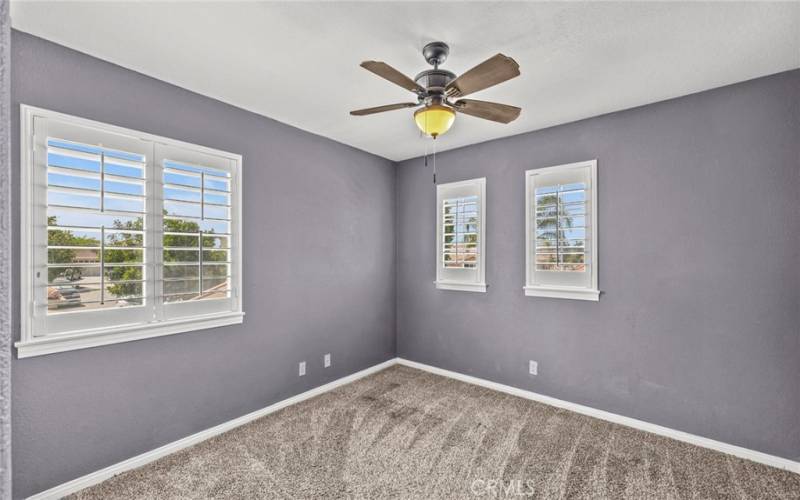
(106,336)
(462,287)
(555,292)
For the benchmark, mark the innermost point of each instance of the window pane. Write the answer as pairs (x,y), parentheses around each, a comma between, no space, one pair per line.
(215,256)
(215,271)
(542,258)
(215,226)
(215,284)
(194,226)
(216,241)
(183,179)
(573,209)
(173,271)
(572,196)
(73,181)
(112,202)
(123,273)
(70,157)
(77,275)
(181,256)
(218,198)
(116,256)
(573,258)
(572,222)
(131,291)
(175,225)
(560,227)
(180,297)
(121,238)
(73,237)
(181,241)
(62,218)
(171,193)
(132,188)
(181,209)
(181,286)
(124,169)
(217,183)
(188,290)
(216,212)
(76,200)
(70,298)
(460,232)
(73,256)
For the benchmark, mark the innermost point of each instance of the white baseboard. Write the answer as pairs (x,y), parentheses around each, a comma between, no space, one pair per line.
(101,475)
(738,451)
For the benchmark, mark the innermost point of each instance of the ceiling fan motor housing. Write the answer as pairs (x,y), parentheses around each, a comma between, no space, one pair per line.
(435,80)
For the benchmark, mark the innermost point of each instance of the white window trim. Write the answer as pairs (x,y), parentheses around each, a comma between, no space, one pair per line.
(30,345)
(462,286)
(562,292)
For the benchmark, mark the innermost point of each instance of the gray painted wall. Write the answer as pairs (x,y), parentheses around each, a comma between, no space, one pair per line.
(6,245)
(319,260)
(698,328)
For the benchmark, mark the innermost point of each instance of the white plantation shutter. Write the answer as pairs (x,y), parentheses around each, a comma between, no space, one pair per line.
(460,235)
(561,231)
(123,232)
(91,261)
(460,229)
(197,264)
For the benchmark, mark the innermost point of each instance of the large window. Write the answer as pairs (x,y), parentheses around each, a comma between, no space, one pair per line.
(460,245)
(561,231)
(124,235)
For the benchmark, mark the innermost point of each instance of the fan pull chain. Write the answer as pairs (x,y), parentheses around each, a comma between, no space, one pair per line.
(434,160)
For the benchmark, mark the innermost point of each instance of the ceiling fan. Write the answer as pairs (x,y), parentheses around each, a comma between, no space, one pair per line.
(436,88)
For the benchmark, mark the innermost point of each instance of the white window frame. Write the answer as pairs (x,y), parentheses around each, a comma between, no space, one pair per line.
(533,289)
(476,282)
(35,343)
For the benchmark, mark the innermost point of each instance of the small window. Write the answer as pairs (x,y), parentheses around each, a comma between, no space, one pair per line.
(460,244)
(124,235)
(561,231)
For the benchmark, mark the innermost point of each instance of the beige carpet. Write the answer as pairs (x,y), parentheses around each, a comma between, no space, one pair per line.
(403,433)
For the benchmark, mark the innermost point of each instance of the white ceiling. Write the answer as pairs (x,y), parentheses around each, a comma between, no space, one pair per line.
(298,62)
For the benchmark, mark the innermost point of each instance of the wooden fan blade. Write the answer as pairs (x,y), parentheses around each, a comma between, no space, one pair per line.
(383,70)
(381,109)
(502,113)
(490,72)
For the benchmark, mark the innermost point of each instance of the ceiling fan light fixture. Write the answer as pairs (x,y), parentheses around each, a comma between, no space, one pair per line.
(435,119)
(434,89)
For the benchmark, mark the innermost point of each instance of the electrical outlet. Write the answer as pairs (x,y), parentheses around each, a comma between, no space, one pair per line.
(302,368)
(327,360)
(533,367)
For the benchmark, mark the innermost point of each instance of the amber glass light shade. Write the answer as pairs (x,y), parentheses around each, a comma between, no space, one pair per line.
(434,120)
